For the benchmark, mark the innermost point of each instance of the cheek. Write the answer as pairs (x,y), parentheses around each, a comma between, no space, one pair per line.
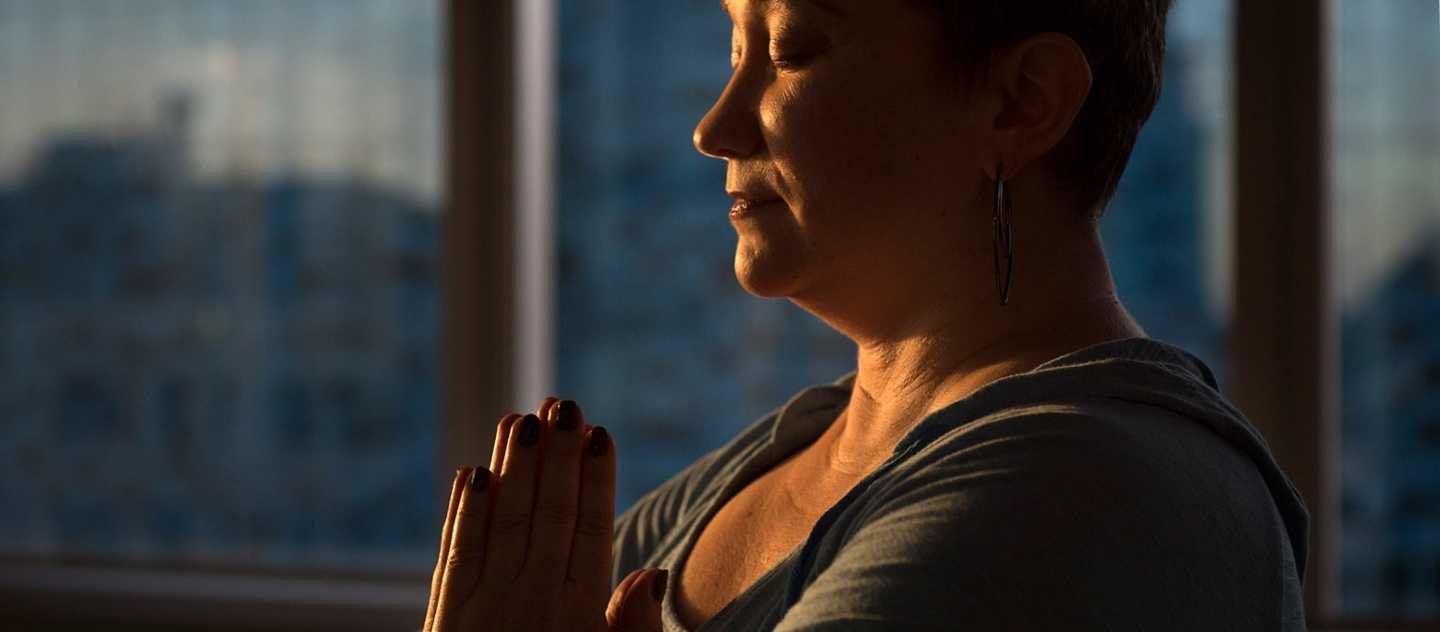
(798,129)
(846,150)
(821,138)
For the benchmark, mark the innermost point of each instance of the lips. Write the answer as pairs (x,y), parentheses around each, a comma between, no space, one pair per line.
(744,207)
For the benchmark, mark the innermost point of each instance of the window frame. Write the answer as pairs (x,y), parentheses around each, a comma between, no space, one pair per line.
(1285,336)
(497,281)
(1283,332)
(497,215)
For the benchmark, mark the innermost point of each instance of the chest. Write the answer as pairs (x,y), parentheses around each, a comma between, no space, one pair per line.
(748,536)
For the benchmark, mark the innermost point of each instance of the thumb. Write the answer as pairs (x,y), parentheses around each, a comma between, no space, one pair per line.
(640,605)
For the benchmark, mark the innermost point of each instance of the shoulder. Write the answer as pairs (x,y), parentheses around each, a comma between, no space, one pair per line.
(1037,516)
(1105,468)
(1102,440)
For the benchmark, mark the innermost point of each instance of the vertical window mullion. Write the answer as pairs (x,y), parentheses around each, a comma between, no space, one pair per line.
(1284,343)
(535,186)
(479,253)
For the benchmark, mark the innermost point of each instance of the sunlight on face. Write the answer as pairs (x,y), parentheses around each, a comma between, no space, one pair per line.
(842,111)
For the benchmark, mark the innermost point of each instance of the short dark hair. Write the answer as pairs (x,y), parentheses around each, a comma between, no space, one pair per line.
(1124,42)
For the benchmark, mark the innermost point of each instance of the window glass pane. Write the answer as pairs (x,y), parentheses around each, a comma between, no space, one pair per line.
(1167,232)
(663,343)
(1385,108)
(217,282)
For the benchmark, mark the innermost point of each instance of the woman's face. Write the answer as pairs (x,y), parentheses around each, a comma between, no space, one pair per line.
(850,114)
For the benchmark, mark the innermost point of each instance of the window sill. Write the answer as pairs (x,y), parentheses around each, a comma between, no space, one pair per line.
(53,597)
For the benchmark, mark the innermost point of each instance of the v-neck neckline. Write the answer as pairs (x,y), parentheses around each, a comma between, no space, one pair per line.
(770,457)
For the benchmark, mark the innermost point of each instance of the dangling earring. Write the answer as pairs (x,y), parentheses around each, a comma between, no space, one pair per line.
(1002,236)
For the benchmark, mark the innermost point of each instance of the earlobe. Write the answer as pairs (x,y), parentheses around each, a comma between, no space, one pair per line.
(990,166)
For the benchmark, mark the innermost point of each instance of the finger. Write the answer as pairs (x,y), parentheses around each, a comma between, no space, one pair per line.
(612,611)
(466,557)
(502,439)
(544,411)
(545,414)
(445,528)
(641,609)
(557,499)
(595,522)
(510,509)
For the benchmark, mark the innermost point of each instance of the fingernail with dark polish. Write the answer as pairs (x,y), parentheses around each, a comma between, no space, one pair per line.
(479,479)
(599,440)
(658,587)
(567,415)
(529,430)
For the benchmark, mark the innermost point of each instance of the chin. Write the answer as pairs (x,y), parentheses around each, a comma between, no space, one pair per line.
(767,273)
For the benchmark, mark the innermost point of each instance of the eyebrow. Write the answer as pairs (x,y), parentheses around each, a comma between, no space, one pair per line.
(824,5)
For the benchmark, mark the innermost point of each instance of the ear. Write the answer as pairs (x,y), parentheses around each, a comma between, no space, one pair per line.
(1042,82)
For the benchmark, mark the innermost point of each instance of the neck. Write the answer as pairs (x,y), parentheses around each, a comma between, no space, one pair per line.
(962,341)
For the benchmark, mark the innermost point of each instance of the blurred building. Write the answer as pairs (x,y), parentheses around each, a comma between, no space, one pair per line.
(1391,440)
(242,367)
(216,369)
(1154,227)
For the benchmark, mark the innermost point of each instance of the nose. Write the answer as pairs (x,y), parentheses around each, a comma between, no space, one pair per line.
(729,129)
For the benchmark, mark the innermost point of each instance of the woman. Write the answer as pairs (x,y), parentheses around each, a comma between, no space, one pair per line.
(1011,451)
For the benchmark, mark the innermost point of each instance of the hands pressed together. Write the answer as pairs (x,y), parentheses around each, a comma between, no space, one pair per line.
(526,543)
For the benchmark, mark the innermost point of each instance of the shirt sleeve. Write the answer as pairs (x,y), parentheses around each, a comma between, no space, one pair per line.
(1038,522)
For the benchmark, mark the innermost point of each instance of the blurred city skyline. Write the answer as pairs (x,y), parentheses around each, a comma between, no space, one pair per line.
(316,87)
(299,86)
(270,178)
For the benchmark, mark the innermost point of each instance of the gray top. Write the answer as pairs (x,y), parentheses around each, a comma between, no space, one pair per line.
(1110,488)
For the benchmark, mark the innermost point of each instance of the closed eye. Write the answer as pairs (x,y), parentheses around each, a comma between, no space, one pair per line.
(790,61)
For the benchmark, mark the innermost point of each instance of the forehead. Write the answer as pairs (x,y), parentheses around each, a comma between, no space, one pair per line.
(765,6)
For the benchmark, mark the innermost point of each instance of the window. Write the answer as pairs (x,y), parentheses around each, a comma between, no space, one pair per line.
(218,297)
(668,350)
(211,357)
(1385,129)
(1166,232)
